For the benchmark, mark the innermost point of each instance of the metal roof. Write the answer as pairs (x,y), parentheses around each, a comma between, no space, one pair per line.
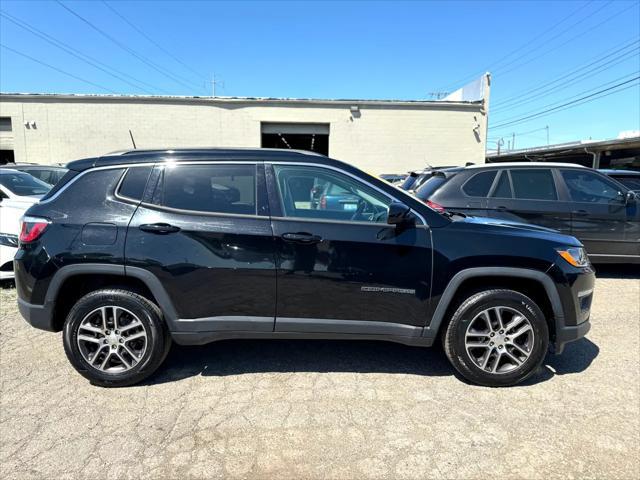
(571,147)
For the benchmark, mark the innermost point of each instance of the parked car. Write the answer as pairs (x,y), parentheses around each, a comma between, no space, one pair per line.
(628,178)
(18,191)
(17,187)
(432,184)
(418,177)
(197,266)
(393,177)
(9,231)
(603,214)
(50,174)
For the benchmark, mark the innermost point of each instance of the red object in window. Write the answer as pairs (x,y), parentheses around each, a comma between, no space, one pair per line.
(323,202)
(32,228)
(436,206)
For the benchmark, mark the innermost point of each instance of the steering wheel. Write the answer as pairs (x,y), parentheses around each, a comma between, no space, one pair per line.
(361,206)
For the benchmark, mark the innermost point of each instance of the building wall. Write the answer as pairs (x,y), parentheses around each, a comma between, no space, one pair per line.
(384,137)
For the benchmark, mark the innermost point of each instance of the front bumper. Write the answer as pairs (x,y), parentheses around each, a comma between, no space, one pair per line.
(575,288)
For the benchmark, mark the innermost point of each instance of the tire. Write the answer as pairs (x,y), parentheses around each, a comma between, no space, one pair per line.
(478,350)
(122,356)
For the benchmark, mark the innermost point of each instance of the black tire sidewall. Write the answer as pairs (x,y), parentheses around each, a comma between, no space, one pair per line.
(148,314)
(468,311)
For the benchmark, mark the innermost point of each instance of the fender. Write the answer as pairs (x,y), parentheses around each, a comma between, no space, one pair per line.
(150,280)
(458,278)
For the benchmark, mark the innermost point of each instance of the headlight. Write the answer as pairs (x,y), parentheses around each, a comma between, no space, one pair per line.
(576,256)
(9,240)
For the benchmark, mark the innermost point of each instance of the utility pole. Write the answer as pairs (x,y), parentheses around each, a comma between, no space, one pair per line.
(500,142)
(513,141)
(547,129)
(215,82)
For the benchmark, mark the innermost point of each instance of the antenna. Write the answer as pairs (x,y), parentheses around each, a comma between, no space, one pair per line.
(132,140)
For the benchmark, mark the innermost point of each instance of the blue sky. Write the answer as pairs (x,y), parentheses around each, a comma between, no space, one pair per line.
(399,50)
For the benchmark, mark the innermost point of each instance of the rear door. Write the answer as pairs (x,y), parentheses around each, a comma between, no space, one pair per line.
(205,233)
(530,195)
(602,217)
(343,269)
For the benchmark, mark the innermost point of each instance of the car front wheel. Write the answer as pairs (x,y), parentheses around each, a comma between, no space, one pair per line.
(497,338)
(115,337)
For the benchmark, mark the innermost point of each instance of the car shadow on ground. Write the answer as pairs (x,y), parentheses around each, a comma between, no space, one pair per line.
(618,271)
(237,357)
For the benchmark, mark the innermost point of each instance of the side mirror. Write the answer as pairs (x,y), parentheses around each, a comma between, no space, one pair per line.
(400,214)
(631,197)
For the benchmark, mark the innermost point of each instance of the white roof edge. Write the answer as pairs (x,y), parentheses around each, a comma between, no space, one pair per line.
(525,164)
(206,99)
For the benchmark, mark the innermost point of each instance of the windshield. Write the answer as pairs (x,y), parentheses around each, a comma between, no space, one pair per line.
(23,184)
(429,187)
(632,183)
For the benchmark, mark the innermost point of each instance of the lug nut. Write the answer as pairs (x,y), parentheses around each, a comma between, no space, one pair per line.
(500,347)
(115,346)
(491,334)
(122,340)
(501,332)
(106,332)
(506,339)
(491,344)
(117,332)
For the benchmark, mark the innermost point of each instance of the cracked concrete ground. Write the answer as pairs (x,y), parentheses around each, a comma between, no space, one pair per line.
(245,409)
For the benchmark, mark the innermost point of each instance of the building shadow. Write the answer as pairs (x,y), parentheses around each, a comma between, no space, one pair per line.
(237,357)
(625,271)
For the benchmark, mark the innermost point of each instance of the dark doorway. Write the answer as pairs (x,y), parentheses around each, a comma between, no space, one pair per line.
(6,156)
(313,137)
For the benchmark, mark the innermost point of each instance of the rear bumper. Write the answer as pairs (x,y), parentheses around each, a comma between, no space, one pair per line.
(38,316)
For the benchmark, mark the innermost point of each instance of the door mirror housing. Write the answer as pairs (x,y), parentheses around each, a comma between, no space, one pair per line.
(400,214)
(631,197)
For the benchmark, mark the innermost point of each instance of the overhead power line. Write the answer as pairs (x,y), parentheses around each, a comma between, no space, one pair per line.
(520,48)
(22,54)
(576,95)
(94,62)
(579,101)
(595,60)
(151,40)
(584,32)
(127,49)
(580,78)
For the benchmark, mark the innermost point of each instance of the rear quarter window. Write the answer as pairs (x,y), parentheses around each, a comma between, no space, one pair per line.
(134,182)
(480,184)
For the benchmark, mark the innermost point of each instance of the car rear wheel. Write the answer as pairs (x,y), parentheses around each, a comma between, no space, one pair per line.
(115,337)
(497,338)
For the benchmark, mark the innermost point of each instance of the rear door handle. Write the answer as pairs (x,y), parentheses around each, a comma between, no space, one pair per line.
(159,228)
(501,208)
(301,237)
(580,213)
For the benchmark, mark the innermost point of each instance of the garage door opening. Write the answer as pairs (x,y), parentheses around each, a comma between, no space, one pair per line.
(300,136)
(7,156)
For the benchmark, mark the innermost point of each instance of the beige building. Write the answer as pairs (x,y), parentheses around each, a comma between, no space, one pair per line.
(377,135)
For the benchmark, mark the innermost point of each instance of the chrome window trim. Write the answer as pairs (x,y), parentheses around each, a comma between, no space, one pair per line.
(331,167)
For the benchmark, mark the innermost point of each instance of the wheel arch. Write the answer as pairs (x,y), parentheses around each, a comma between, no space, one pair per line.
(473,280)
(72,282)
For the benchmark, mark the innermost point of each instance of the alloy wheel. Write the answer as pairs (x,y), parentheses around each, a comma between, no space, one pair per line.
(499,339)
(112,339)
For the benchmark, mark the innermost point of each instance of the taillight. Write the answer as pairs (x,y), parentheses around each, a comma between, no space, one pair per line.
(323,202)
(32,228)
(436,206)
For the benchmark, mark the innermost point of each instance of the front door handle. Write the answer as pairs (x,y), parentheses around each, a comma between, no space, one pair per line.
(580,213)
(301,237)
(159,228)
(501,208)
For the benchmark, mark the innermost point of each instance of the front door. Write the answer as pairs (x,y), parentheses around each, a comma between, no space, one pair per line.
(602,219)
(204,233)
(340,267)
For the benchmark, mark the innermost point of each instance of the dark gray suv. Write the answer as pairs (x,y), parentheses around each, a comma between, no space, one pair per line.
(601,212)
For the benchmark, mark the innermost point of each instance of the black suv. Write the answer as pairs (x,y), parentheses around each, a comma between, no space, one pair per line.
(601,212)
(130,251)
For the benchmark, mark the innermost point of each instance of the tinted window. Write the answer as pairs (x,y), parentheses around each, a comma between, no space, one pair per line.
(313,192)
(134,181)
(503,189)
(429,187)
(632,183)
(589,187)
(209,188)
(409,181)
(479,184)
(533,184)
(23,184)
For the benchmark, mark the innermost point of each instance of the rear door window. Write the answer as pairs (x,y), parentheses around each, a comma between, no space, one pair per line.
(533,184)
(227,189)
(480,184)
(503,188)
